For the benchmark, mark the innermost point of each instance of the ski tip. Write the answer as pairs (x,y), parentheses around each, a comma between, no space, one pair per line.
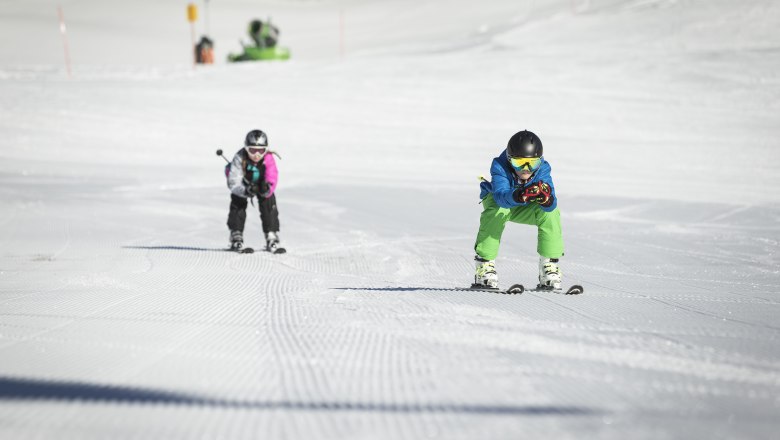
(575,290)
(515,289)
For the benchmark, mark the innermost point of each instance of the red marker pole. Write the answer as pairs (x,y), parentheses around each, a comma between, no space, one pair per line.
(341,33)
(63,31)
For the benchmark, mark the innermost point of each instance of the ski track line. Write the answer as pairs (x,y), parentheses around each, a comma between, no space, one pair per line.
(108,306)
(680,363)
(629,330)
(559,303)
(712,258)
(730,213)
(111,266)
(690,309)
(610,323)
(158,320)
(65,299)
(719,298)
(37,292)
(703,255)
(638,272)
(485,301)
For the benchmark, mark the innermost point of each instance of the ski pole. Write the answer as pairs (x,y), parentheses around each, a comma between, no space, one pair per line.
(219,153)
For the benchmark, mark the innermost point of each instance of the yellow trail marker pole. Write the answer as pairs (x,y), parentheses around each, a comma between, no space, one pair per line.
(192,16)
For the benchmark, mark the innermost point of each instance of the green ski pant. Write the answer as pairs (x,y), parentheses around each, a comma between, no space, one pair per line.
(549,240)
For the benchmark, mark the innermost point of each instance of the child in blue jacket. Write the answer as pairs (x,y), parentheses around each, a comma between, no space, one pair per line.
(521,191)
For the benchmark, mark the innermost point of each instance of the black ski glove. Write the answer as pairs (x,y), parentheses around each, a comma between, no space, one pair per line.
(540,193)
(251,191)
(265,190)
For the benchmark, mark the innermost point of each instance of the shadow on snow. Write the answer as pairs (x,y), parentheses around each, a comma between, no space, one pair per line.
(177,248)
(15,389)
(403,289)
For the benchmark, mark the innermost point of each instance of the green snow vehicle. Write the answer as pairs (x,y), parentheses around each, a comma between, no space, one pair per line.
(261,54)
(265,36)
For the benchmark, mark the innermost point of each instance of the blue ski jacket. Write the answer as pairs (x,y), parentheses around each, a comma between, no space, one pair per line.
(505,182)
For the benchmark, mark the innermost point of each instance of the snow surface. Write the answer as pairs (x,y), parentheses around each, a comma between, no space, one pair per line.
(122,317)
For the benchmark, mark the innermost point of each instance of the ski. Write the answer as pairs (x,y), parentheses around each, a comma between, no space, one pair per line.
(249,250)
(573,290)
(515,289)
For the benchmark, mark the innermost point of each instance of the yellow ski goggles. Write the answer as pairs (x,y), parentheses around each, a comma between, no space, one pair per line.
(529,163)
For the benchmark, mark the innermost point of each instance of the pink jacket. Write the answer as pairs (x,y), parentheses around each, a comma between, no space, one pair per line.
(271,172)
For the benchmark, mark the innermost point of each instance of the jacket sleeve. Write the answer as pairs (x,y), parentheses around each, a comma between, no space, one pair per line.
(271,172)
(503,186)
(235,179)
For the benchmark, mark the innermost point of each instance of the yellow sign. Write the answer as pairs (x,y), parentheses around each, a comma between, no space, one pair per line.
(192,12)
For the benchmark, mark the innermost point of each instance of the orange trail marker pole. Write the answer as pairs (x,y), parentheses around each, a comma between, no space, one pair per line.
(64,32)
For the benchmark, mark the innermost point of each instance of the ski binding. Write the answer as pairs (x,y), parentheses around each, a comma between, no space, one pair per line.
(573,290)
(515,289)
(276,250)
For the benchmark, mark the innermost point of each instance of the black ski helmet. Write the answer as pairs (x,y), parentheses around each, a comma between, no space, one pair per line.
(256,138)
(524,144)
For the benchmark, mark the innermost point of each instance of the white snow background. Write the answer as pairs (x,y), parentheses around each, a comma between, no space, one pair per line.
(121,316)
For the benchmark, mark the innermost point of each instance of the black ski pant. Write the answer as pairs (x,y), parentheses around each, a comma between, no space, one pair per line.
(269,214)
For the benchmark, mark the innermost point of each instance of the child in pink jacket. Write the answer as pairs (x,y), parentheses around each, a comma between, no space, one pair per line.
(253,173)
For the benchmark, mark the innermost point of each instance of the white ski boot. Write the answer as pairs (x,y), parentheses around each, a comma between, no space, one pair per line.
(236,240)
(486,276)
(272,243)
(549,273)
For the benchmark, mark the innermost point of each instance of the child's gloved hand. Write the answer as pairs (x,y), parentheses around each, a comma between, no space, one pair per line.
(485,188)
(539,192)
(265,190)
(251,191)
